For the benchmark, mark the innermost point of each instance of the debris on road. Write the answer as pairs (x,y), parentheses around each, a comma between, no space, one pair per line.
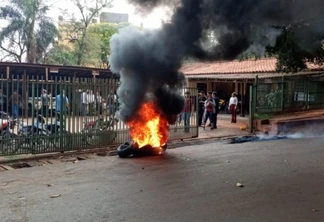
(102,154)
(81,158)
(6,167)
(75,161)
(239,185)
(315,210)
(55,196)
(50,185)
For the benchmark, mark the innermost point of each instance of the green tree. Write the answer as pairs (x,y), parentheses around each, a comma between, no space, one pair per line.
(96,49)
(29,30)
(78,30)
(102,33)
(295,46)
(60,55)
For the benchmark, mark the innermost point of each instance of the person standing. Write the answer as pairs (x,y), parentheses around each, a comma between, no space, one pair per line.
(91,101)
(3,101)
(15,100)
(216,101)
(201,107)
(44,99)
(99,103)
(209,110)
(84,103)
(62,100)
(233,106)
(186,113)
(111,103)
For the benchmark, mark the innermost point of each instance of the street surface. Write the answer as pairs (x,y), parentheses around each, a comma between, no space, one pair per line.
(283,181)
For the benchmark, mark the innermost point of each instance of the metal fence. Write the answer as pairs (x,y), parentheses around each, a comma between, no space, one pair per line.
(42,116)
(289,94)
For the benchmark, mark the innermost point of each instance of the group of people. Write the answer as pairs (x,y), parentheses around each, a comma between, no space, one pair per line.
(209,107)
(91,102)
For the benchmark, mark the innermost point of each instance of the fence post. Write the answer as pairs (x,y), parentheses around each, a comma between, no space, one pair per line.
(24,93)
(251,108)
(256,81)
(282,93)
(307,99)
(197,110)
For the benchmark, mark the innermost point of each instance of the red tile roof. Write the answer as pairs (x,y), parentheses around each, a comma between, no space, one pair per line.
(265,65)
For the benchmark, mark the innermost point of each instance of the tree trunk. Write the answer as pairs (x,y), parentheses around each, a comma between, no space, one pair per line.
(31,42)
(81,47)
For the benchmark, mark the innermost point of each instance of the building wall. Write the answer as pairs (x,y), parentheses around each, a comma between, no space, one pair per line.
(223,88)
(111,17)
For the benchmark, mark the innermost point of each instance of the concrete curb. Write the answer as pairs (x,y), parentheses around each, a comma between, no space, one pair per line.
(108,151)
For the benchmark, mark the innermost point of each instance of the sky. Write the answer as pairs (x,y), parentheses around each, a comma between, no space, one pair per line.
(153,20)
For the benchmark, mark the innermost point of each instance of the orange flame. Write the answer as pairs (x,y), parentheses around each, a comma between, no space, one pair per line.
(149,126)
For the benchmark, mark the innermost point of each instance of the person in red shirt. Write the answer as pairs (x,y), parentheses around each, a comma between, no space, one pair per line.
(186,113)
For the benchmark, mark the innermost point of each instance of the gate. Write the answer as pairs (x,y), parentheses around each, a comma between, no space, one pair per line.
(65,120)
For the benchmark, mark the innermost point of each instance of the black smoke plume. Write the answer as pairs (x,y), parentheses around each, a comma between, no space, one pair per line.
(205,30)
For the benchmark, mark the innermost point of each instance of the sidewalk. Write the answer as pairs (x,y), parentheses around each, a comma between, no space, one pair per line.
(299,116)
(306,122)
(225,128)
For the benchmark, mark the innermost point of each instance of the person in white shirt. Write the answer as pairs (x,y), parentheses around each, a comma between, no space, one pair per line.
(111,103)
(91,101)
(233,105)
(99,102)
(84,100)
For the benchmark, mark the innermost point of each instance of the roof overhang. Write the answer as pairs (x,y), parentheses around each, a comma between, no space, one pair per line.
(250,76)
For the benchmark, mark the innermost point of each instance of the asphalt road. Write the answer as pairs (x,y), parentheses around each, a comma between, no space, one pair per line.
(283,181)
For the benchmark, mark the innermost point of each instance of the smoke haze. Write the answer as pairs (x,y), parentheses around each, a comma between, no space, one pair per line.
(149,60)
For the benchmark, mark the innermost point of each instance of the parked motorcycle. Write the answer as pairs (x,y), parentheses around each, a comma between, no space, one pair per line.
(7,138)
(42,136)
(33,136)
(222,104)
(94,129)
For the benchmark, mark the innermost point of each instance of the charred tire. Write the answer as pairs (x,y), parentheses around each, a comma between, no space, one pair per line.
(125,150)
(148,150)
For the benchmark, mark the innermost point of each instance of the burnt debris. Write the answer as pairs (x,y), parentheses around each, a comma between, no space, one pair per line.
(245,139)
(129,149)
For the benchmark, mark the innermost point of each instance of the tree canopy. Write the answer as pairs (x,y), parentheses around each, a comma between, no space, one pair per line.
(29,31)
(95,52)
(78,30)
(294,47)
